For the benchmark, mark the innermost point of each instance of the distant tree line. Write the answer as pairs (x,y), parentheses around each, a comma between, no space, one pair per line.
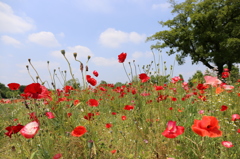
(5,92)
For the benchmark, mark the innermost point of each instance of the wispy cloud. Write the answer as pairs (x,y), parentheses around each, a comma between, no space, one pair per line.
(11,23)
(10,41)
(101,61)
(82,53)
(114,38)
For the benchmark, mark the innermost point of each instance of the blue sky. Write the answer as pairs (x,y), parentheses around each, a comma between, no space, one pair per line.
(39,29)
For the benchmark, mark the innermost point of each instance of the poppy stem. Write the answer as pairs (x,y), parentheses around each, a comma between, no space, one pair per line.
(69,65)
(126,72)
(35,70)
(131,70)
(50,74)
(30,74)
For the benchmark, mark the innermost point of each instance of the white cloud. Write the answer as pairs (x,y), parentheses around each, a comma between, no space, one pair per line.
(10,41)
(82,53)
(139,54)
(101,61)
(161,6)
(44,38)
(12,23)
(114,38)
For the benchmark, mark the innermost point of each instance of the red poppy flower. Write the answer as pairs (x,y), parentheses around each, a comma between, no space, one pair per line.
(223,108)
(91,80)
(102,89)
(79,131)
(13,86)
(95,73)
(92,102)
(89,116)
(67,89)
(36,91)
(113,151)
(57,156)
(208,126)
(13,130)
(108,125)
(175,79)
(122,57)
(30,130)
(124,118)
(201,87)
(227,144)
(114,113)
(128,107)
(238,130)
(143,77)
(33,116)
(50,115)
(75,102)
(173,130)
(69,114)
(225,74)
(235,117)
(158,88)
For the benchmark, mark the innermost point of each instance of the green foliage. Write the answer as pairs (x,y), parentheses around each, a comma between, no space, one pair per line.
(196,78)
(73,82)
(5,92)
(207,31)
(159,79)
(234,74)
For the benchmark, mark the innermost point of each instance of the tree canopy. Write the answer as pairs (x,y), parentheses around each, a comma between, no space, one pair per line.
(205,30)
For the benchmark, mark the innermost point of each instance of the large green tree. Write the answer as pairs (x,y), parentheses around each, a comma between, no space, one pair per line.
(205,30)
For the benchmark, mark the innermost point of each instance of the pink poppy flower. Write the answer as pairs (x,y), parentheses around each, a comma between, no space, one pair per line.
(213,81)
(227,144)
(235,117)
(30,130)
(173,130)
(228,87)
(50,115)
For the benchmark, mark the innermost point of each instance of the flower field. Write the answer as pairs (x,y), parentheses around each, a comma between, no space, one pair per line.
(140,119)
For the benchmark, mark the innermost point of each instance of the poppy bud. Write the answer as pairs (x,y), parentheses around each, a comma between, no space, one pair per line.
(89,57)
(81,66)
(29,60)
(48,62)
(75,55)
(27,66)
(86,68)
(54,70)
(63,52)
